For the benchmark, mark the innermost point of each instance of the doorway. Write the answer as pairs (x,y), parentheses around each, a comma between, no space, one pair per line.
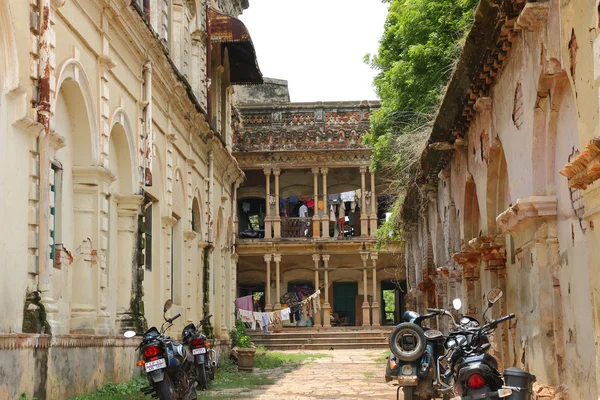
(344,302)
(393,305)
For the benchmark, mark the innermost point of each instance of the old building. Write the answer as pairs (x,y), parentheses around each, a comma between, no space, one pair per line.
(508,192)
(308,211)
(117,180)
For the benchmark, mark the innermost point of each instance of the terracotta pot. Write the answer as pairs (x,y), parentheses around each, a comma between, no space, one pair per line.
(245,358)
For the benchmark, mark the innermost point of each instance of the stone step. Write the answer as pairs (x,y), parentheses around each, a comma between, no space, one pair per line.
(332,335)
(268,341)
(327,346)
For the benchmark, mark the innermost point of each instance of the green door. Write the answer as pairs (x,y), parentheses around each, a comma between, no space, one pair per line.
(344,301)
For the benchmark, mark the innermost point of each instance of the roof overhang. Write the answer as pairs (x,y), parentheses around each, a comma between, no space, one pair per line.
(231,33)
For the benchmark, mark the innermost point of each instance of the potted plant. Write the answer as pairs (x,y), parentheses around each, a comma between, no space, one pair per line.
(243,350)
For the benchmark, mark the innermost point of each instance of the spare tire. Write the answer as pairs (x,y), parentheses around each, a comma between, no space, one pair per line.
(407,328)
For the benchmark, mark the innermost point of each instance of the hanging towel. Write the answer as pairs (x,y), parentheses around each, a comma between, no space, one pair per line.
(258,318)
(332,217)
(265,322)
(320,205)
(277,317)
(247,316)
(285,314)
(348,196)
(334,198)
(244,303)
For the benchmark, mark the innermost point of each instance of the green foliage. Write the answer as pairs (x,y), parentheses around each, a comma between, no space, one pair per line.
(126,390)
(265,359)
(228,377)
(421,42)
(239,335)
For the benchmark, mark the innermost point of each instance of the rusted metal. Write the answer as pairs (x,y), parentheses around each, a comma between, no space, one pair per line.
(407,380)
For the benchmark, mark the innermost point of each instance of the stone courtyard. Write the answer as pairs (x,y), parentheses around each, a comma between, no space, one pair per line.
(347,374)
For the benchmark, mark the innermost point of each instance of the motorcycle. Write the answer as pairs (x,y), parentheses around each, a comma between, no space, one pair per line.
(205,358)
(415,349)
(169,367)
(475,372)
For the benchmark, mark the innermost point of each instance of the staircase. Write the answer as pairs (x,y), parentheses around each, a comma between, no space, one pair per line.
(324,339)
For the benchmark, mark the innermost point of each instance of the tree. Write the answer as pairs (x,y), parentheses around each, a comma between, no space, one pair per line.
(421,42)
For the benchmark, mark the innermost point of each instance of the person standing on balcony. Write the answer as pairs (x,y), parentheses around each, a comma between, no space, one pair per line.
(303,213)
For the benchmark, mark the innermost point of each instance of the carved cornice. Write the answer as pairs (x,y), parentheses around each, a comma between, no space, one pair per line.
(585,168)
(304,159)
(92,175)
(527,209)
(533,16)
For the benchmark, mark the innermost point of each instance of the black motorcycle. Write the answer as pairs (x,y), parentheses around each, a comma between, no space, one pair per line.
(205,358)
(169,367)
(475,372)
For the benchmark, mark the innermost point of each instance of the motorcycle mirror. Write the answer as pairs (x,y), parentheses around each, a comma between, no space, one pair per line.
(168,305)
(494,295)
(129,334)
(457,304)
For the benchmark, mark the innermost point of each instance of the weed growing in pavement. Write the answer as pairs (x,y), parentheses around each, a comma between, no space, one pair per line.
(265,359)
(127,390)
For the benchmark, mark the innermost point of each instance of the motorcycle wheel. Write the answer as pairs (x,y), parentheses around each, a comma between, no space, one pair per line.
(211,373)
(165,389)
(202,382)
(409,393)
(396,336)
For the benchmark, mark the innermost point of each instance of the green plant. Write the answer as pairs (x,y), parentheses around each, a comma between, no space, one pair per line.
(126,390)
(239,335)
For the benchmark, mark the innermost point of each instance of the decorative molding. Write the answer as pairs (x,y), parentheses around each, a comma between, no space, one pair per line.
(534,15)
(189,236)
(93,174)
(585,168)
(304,159)
(526,209)
(19,341)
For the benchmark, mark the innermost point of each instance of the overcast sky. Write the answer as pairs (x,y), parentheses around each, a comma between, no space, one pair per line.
(317,45)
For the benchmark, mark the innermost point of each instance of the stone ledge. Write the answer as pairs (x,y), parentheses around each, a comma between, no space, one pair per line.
(19,341)
(525,209)
(585,168)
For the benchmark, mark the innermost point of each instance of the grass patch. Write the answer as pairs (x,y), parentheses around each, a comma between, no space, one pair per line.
(381,358)
(228,377)
(272,359)
(127,390)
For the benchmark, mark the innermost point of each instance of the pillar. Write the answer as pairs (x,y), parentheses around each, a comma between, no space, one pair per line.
(376,312)
(268,234)
(326,305)
(364,222)
(365,305)
(188,302)
(235,210)
(316,217)
(277,217)
(373,216)
(317,258)
(325,216)
(268,304)
(277,259)
(128,209)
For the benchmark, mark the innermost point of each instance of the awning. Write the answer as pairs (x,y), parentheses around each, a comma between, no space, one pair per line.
(233,34)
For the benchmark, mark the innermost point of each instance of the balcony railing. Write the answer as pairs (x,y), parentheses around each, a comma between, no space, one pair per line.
(296,227)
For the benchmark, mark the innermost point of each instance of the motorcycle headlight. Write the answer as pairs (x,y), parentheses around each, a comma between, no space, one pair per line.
(407,370)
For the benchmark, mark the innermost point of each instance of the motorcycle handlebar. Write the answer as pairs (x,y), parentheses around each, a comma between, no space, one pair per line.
(174,318)
(502,319)
(435,310)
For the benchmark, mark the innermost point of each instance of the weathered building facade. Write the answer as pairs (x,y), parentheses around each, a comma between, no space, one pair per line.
(310,155)
(508,191)
(117,180)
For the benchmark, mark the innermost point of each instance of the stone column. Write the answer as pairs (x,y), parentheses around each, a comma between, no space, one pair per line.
(127,273)
(365,304)
(326,305)
(88,302)
(236,222)
(277,259)
(268,304)
(375,306)
(373,216)
(277,218)
(316,217)
(364,222)
(317,258)
(187,295)
(268,234)
(325,216)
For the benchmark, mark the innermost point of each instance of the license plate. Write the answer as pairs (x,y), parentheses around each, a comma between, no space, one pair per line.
(201,350)
(156,364)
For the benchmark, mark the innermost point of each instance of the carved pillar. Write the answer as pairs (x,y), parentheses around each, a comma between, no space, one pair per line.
(316,219)
(325,216)
(268,231)
(236,222)
(470,261)
(268,304)
(373,216)
(277,259)
(375,310)
(127,273)
(316,259)
(326,305)
(364,221)
(365,305)
(188,302)
(277,218)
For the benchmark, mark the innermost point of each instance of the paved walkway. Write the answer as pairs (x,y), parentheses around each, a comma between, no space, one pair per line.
(347,374)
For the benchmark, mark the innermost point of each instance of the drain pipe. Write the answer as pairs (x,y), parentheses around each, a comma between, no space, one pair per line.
(147,77)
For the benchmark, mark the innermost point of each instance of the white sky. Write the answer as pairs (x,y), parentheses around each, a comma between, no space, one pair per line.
(317,45)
